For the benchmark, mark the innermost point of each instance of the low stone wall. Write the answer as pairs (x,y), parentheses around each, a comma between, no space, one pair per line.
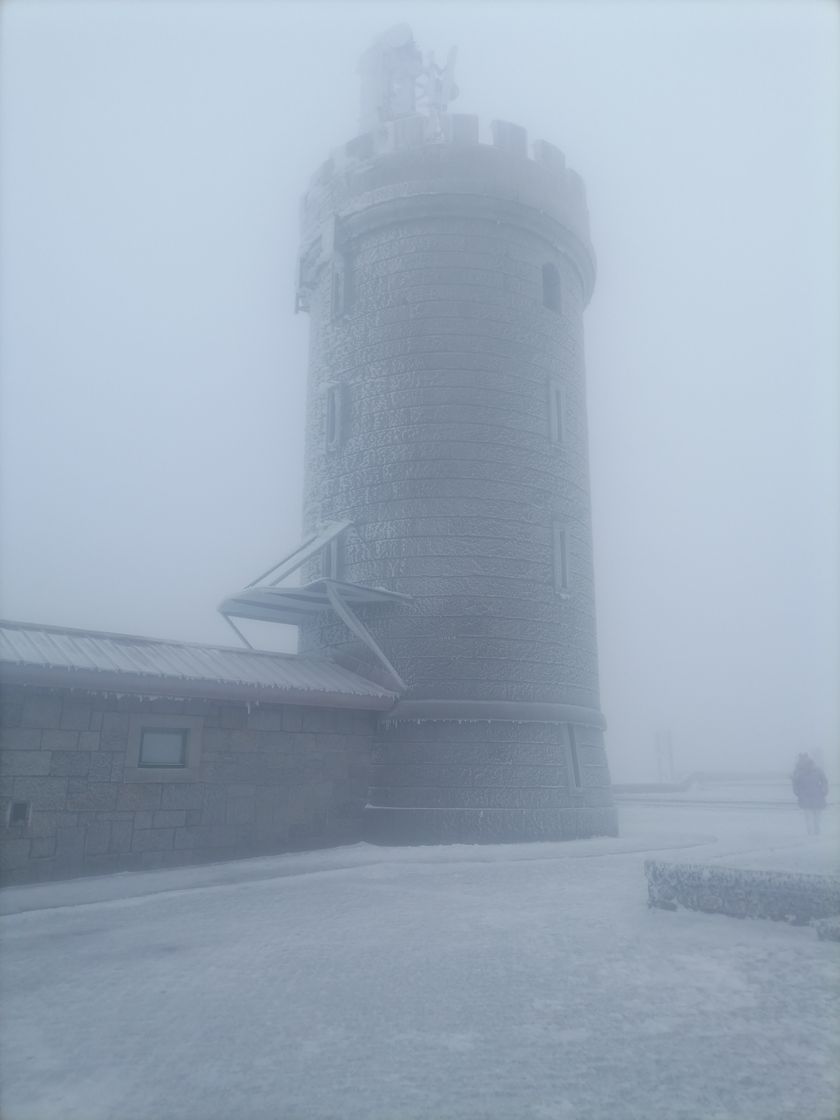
(828,929)
(777,895)
(261,779)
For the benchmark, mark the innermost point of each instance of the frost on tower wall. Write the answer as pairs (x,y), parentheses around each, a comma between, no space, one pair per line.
(446,281)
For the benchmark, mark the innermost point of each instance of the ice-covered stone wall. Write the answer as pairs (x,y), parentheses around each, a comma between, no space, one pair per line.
(743,893)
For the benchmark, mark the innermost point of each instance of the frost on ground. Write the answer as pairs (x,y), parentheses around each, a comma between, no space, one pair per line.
(507,982)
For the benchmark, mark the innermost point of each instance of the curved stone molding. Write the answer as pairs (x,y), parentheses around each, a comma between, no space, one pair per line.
(494,710)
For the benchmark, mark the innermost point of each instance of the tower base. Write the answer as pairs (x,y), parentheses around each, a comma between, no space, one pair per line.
(489,780)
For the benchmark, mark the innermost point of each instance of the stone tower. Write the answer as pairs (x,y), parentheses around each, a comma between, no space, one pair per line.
(446,281)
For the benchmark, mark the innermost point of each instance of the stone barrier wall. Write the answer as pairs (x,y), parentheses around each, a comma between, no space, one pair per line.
(777,895)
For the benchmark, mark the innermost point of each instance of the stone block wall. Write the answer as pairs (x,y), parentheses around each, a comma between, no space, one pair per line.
(268,778)
(446,465)
(487,781)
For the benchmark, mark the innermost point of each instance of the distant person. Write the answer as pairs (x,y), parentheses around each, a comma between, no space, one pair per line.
(811,787)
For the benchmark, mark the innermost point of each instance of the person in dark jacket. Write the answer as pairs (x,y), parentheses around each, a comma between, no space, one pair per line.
(811,788)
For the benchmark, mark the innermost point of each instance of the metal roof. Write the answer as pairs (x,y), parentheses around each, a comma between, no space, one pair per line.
(122,662)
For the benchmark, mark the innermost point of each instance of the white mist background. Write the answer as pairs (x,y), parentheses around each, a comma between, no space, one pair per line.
(153,371)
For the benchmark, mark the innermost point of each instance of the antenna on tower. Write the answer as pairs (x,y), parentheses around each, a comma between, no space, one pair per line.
(397,82)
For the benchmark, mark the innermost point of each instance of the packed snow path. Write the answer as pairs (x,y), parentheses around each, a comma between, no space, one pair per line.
(386,984)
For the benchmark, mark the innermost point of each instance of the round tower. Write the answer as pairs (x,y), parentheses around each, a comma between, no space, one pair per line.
(446,281)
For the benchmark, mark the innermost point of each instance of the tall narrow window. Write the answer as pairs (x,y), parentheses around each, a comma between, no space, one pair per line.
(557,412)
(331,560)
(574,760)
(337,290)
(561,566)
(340,292)
(551,287)
(334,416)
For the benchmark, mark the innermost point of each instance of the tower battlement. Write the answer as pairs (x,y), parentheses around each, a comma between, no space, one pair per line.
(455,129)
(436,164)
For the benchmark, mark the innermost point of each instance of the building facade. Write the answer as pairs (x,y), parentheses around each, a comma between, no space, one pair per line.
(120,753)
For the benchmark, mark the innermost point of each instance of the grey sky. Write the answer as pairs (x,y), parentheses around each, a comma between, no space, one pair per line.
(153,370)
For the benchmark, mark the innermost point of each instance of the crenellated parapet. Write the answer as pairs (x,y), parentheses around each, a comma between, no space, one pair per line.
(422,165)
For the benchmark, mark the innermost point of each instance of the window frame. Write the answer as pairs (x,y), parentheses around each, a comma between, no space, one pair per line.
(192,726)
(184,735)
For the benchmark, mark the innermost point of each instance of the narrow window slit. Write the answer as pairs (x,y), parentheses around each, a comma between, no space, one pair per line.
(341,286)
(551,293)
(334,416)
(557,413)
(561,567)
(574,759)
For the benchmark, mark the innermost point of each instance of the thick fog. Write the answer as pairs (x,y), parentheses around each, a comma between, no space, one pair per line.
(153,158)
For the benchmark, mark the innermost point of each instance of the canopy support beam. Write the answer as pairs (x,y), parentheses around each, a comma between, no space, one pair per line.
(356,626)
(235,628)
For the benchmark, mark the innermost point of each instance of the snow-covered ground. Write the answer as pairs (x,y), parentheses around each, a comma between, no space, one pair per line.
(388,984)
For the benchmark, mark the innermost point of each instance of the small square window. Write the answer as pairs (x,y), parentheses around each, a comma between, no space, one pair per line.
(19,812)
(163,747)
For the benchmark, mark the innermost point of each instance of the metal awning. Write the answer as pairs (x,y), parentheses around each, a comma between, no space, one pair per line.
(266,602)
(293,605)
(313,544)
